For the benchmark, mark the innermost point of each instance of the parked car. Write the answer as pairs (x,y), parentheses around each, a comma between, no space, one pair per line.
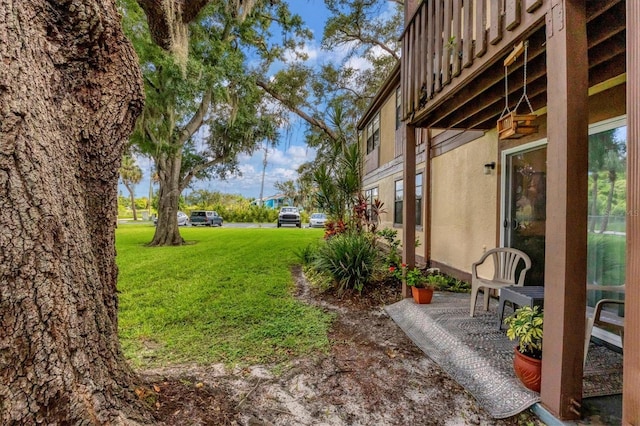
(183,219)
(317,220)
(289,216)
(206,218)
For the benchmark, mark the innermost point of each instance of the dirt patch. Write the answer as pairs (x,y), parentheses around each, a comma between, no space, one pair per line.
(373,375)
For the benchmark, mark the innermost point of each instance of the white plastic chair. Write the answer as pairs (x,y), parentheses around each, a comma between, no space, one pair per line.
(505,265)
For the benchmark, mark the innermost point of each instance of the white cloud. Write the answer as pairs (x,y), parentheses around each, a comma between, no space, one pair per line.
(358,63)
(282,165)
(310,50)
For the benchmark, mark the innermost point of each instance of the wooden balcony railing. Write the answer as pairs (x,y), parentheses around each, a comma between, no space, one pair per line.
(448,42)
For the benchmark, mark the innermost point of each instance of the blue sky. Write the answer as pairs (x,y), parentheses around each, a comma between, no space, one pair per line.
(291,152)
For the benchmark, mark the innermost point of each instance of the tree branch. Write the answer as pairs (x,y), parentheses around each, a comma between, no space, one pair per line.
(309,119)
(194,171)
(197,119)
(368,40)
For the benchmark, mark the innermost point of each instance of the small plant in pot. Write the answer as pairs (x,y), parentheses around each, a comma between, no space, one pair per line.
(525,325)
(421,290)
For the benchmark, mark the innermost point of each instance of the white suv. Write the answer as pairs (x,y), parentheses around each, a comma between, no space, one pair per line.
(289,215)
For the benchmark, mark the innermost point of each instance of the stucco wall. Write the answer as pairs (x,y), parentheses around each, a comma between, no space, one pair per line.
(388,130)
(464,203)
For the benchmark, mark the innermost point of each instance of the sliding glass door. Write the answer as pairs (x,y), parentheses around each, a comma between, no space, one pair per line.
(606,225)
(525,205)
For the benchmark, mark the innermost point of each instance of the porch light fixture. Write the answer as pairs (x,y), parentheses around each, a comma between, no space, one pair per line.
(488,167)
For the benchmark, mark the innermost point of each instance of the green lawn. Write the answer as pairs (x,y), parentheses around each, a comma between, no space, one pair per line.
(224,297)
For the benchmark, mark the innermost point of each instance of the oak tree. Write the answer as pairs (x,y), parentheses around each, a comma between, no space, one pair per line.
(203,105)
(70,92)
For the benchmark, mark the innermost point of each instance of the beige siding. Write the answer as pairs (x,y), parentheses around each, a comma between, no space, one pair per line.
(464,203)
(388,129)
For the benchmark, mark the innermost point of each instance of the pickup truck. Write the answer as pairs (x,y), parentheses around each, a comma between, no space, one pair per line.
(205,217)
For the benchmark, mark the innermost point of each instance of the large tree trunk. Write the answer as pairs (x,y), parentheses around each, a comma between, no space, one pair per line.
(167,232)
(70,91)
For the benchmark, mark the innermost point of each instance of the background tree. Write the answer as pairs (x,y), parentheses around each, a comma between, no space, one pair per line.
(130,175)
(70,91)
(614,163)
(203,107)
(332,98)
(289,190)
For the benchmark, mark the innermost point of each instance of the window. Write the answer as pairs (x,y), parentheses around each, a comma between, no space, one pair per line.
(371,195)
(373,133)
(419,199)
(606,225)
(397,206)
(398,108)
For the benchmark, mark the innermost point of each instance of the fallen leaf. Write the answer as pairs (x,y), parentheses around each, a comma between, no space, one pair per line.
(156,388)
(199,385)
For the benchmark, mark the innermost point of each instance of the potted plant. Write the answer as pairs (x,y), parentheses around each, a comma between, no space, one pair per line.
(421,290)
(525,324)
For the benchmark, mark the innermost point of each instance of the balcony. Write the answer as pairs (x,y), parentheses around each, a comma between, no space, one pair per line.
(453,73)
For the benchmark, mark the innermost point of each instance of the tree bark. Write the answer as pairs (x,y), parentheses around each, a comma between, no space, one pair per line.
(70,91)
(167,232)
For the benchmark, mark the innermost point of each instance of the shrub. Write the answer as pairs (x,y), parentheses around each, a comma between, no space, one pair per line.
(307,254)
(525,325)
(393,258)
(438,281)
(350,259)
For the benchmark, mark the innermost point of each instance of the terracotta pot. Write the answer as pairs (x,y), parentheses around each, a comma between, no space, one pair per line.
(422,295)
(528,370)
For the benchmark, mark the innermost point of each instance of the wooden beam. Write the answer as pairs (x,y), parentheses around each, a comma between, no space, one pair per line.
(491,83)
(566,229)
(426,200)
(605,28)
(467,38)
(607,70)
(409,204)
(605,51)
(430,49)
(490,79)
(457,37)
(490,111)
(518,50)
(631,360)
(512,12)
(481,27)
(447,41)
(597,8)
(495,30)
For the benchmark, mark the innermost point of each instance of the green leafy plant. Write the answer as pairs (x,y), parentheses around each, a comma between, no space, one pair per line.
(413,276)
(307,254)
(525,324)
(390,236)
(437,281)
